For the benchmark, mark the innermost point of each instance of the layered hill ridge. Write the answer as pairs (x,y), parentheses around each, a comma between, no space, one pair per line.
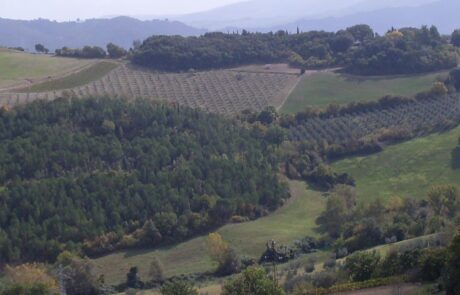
(440,13)
(95,32)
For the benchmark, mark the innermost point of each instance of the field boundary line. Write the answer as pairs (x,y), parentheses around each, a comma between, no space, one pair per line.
(290,90)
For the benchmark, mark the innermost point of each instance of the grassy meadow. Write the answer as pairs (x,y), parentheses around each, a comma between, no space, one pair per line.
(323,88)
(295,220)
(408,169)
(19,68)
(80,78)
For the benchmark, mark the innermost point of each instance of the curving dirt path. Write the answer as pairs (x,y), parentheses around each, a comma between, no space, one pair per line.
(404,289)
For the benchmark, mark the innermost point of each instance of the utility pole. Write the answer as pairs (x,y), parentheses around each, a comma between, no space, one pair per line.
(272,246)
(61,279)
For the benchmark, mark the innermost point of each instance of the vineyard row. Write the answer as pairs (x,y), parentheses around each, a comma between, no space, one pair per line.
(417,118)
(223,91)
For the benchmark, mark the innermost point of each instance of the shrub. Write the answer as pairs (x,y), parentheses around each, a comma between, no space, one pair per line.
(252,281)
(324,279)
(329,264)
(307,245)
(432,263)
(362,265)
(451,280)
(309,267)
(34,289)
(178,287)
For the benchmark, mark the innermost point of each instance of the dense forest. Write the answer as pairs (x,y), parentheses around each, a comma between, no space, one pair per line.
(99,174)
(357,49)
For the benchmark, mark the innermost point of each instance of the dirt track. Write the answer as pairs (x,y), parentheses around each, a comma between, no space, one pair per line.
(387,290)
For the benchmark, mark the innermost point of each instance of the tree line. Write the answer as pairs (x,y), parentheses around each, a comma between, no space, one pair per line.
(357,49)
(113,51)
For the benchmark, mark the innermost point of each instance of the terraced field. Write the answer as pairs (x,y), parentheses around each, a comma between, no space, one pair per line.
(418,117)
(221,91)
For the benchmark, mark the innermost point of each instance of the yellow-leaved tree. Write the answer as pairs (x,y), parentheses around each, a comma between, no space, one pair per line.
(221,252)
(217,247)
(30,274)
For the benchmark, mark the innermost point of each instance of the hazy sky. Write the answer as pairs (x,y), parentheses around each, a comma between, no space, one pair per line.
(70,10)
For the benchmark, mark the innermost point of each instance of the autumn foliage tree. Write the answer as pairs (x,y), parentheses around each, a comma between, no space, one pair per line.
(156,271)
(30,274)
(221,252)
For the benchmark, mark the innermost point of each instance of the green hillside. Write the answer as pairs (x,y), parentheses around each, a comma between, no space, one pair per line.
(295,220)
(19,68)
(324,88)
(407,169)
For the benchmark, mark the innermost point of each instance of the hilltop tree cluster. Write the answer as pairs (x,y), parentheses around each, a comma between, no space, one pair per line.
(357,49)
(404,51)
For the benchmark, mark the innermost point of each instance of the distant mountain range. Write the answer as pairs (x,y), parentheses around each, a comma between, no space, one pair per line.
(276,13)
(97,32)
(444,14)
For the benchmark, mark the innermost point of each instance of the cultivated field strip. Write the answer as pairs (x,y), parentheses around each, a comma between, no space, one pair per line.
(416,117)
(221,91)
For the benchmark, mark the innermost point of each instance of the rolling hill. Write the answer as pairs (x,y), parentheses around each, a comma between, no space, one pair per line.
(96,32)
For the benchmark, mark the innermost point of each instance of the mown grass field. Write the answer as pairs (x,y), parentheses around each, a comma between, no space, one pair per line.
(408,169)
(295,220)
(323,88)
(80,78)
(18,68)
